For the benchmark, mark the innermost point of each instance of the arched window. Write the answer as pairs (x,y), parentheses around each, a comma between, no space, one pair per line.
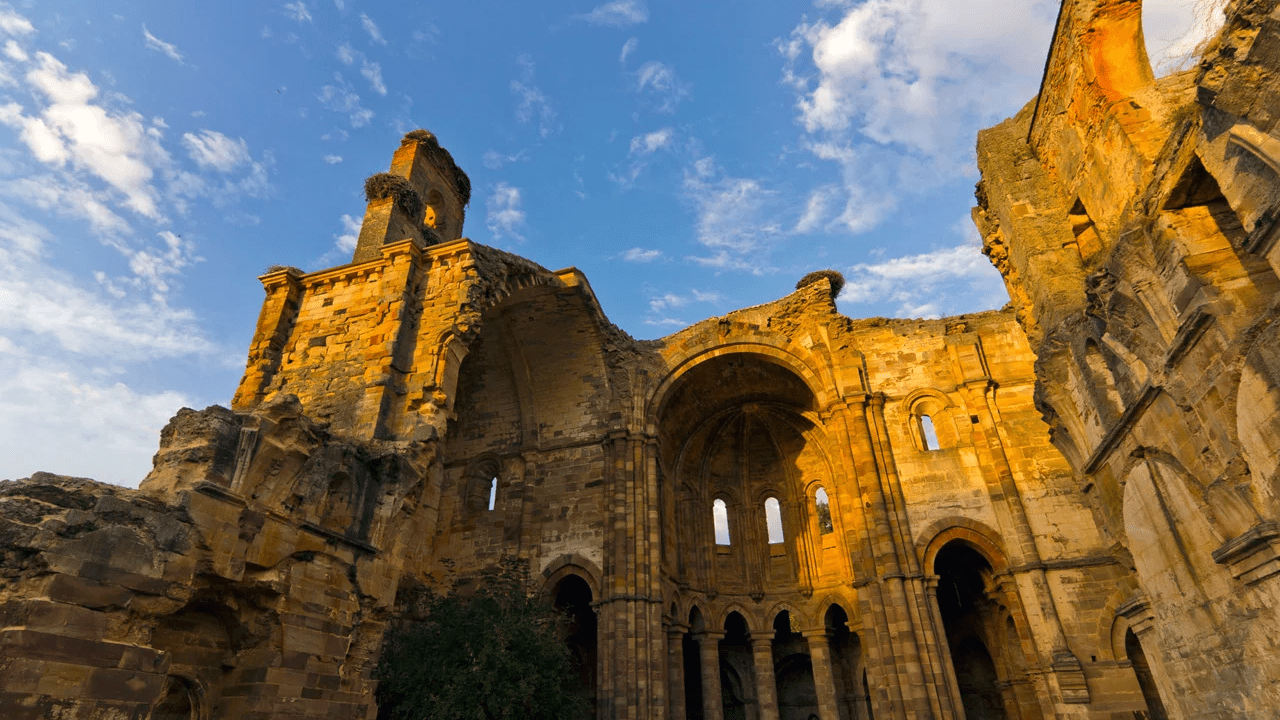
(720,514)
(928,437)
(823,506)
(493,492)
(773,518)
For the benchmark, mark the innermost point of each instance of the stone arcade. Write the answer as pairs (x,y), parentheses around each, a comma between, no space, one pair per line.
(779,513)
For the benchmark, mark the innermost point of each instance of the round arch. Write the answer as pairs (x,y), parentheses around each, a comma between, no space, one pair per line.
(971,532)
(766,351)
(571,564)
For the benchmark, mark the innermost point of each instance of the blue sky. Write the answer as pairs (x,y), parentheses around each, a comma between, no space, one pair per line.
(691,158)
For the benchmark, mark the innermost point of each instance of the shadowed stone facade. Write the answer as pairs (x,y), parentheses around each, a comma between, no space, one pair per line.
(778,513)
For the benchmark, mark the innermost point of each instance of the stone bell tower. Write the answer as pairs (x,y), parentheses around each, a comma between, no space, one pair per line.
(423,198)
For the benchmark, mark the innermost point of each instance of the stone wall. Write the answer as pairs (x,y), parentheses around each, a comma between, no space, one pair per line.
(1133,220)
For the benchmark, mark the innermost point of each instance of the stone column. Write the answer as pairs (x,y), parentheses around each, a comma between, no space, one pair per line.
(824,680)
(709,653)
(675,671)
(766,685)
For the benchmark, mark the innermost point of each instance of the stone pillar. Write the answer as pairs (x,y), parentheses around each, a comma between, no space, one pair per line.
(766,685)
(675,671)
(275,324)
(709,653)
(824,680)
(944,648)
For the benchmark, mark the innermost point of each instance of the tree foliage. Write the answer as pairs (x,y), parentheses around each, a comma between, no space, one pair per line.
(489,648)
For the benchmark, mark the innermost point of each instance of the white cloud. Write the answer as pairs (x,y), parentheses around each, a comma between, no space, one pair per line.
(372,28)
(661,305)
(346,241)
(641,255)
(372,72)
(493,159)
(532,103)
(54,420)
(341,98)
(212,149)
(618,13)
(627,48)
(660,84)
(1175,30)
(917,282)
(893,91)
(298,11)
(45,303)
(11,23)
(346,54)
(641,147)
(155,43)
(650,143)
(333,159)
(734,218)
(155,268)
(816,209)
(504,216)
(117,147)
(340,4)
(14,51)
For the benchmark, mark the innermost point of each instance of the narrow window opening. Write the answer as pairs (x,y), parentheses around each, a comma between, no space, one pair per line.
(824,512)
(928,437)
(1084,233)
(493,493)
(773,518)
(720,514)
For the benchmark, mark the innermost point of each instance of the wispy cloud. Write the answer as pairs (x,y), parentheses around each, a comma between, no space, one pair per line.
(618,13)
(505,217)
(639,152)
(371,28)
(298,11)
(531,102)
(372,72)
(212,149)
(333,159)
(346,240)
(916,282)
(641,255)
(341,98)
(735,218)
(493,159)
(650,143)
(155,43)
(628,48)
(662,306)
(659,84)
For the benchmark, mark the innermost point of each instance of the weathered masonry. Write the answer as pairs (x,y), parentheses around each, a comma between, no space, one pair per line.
(1063,509)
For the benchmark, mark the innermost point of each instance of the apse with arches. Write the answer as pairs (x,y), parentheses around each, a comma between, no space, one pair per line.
(742,452)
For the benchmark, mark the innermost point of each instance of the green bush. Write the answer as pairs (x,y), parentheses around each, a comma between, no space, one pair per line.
(489,648)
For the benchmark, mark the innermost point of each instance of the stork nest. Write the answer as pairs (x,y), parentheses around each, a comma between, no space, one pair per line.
(388,185)
(441,159)
(833,276)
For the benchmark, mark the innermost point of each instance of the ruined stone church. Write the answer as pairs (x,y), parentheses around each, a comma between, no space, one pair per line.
(1063,509)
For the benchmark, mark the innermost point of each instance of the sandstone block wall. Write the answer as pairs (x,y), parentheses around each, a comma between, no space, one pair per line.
(1133,220)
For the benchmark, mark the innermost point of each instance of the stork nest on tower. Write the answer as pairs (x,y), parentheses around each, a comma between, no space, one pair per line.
(832,276)
(388,185)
